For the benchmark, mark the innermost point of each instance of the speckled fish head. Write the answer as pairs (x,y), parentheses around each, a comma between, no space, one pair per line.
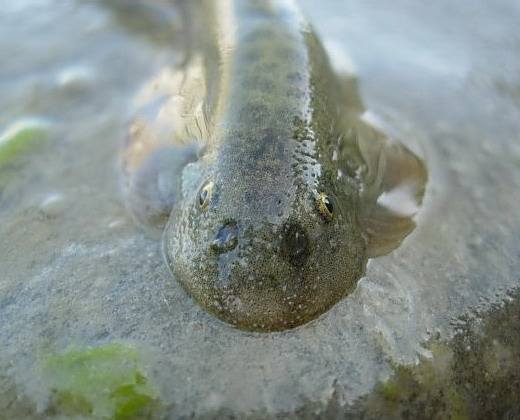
(263,251)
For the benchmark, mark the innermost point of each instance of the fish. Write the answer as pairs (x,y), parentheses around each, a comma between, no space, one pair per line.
(255,164)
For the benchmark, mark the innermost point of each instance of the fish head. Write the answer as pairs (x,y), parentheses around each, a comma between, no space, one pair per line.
(262,251)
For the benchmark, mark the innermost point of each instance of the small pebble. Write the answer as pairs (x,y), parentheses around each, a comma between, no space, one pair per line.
(75,77)
(53,205)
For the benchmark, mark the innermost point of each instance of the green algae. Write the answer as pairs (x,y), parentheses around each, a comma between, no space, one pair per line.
(104,382)
(475,375)
(21,137)
(428,387)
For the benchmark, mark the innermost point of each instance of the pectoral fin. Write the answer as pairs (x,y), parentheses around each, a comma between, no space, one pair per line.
(156,186)
(165,135)
(393,185)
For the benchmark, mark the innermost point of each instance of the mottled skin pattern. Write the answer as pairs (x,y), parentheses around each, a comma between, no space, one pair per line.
(269,157)
(274,219)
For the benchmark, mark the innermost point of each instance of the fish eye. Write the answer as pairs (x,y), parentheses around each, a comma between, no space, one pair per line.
(205,195)
(326,205)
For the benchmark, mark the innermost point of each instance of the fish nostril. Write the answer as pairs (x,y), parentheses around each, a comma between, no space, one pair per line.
(295,244)
(226,238)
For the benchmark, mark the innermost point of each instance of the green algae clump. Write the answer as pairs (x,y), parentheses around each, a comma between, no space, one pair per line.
(21,137)
(428,390)
(474,375)
(100,382)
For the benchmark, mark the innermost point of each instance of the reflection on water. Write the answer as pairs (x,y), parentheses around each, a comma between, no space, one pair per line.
(76,272)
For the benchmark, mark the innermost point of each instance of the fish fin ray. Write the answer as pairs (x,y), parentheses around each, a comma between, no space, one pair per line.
(392,182)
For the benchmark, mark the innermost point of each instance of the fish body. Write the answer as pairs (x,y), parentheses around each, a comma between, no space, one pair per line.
(268,221)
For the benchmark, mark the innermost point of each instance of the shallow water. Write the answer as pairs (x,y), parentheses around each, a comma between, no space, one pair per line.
(75,271)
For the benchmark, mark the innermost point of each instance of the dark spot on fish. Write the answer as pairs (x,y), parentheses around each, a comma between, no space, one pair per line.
(249,197)
(252,55)
(295,244)
(265,85)
(261,34)
(285,52)
(294,92)
(254,112)
(294,77)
